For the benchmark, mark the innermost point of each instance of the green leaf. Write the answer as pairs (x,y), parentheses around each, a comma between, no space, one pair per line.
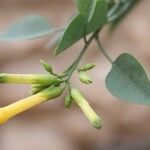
(76,29)
(72,34)
(128,81)
(99,17)
(29,27)
(86,8)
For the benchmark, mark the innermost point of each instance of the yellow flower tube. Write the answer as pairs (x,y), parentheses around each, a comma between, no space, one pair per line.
(44,79)
(13,109)
(86,108)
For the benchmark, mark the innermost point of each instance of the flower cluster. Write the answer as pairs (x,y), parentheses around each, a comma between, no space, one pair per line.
(46,87)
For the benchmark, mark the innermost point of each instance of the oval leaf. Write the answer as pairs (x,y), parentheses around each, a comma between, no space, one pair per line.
(29,27)
(72,34)
(86,8)
(128,81)
(75,31)
(98,17)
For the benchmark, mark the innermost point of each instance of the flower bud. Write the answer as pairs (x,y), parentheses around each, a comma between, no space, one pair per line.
(47,67)
(86,108)
(68,101)
(38,86)
(13,109)
(84,78)
(87,67)
(35,88)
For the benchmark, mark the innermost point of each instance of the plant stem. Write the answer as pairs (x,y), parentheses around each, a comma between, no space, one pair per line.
(71,69)
(102,49)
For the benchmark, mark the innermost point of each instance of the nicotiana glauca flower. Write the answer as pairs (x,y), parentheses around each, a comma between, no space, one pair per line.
(43,79)
(13,109)
(86,108)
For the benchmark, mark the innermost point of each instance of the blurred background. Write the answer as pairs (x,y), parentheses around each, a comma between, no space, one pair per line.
(50,126)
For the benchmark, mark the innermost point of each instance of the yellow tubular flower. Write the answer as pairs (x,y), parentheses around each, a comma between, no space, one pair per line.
(13,109)
(86,108)
(43,79)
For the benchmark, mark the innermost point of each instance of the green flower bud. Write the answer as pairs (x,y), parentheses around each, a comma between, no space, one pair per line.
(47,67)
(35,88)
(52,92)
(63,75)
(86,108)
(34,91)
(68,101)
(87,67)
(38,86)
(84,78)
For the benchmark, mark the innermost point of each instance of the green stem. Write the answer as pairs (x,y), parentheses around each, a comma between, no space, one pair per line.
(102,49)
(71,69)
